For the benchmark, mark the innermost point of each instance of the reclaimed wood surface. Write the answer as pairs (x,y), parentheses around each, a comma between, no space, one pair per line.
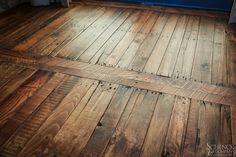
(95,81)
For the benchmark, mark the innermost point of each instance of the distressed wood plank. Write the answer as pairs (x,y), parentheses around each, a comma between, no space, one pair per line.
(158,52)
(9,107)
(202,66)
(155,138)
(13,84)
(82,122)
(120,49)
(147,46)
(177,128)
(184,88)
(29,107)
(129,139)
(168,62)
(103,132)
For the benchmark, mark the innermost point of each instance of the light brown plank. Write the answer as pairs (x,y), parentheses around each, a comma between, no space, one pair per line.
(65,100)
(155,138)
(190,89)
(158,52)
(82,122)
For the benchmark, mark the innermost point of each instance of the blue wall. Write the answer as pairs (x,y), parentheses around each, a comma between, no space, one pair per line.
(220,5)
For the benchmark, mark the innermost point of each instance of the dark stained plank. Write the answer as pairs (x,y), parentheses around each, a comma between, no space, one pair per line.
(18,17)
(168,62)
(177,128)
(39,35)
(147,46)
(155,138)
(29,107)
(14,83)
(158,51)
(130,134)
(8,72)
(22,137)
(103,132)
(23,32)
(203,57)
(82,122)
(10,105)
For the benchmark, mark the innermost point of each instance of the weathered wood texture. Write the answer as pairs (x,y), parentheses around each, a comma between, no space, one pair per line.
(189,89)
(181,44)
(95,81)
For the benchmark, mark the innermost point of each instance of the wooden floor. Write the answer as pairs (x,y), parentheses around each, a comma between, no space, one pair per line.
(95,81)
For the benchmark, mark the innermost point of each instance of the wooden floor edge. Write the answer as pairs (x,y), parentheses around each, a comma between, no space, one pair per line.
(186,11)
(189,89)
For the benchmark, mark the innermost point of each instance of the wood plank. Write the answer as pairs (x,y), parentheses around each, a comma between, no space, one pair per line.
(29,107)
(209,127)
(225,125)
(8,72)
(136,43)
(24,134)
(184,88)
(233,124)
(177,128)
(192,131)
(203,57)
(113,41)
(86,38)
(231,46)
(81,124)
(44,32)
(68,32)
(219,60)
(168,62)
(102,39)
(158,52)
(128,141)
(155,138)
(184,64)
(120,49)
(13,84)
(22,33)
(103,132)
(10,105)
(147,46)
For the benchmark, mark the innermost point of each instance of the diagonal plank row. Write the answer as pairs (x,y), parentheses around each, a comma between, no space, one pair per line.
(73,116)
(185,88)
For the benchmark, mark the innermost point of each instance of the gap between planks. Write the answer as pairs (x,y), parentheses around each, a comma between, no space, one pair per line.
(189,89)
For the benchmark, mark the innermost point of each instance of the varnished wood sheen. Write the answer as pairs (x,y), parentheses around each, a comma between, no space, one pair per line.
(117,81)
